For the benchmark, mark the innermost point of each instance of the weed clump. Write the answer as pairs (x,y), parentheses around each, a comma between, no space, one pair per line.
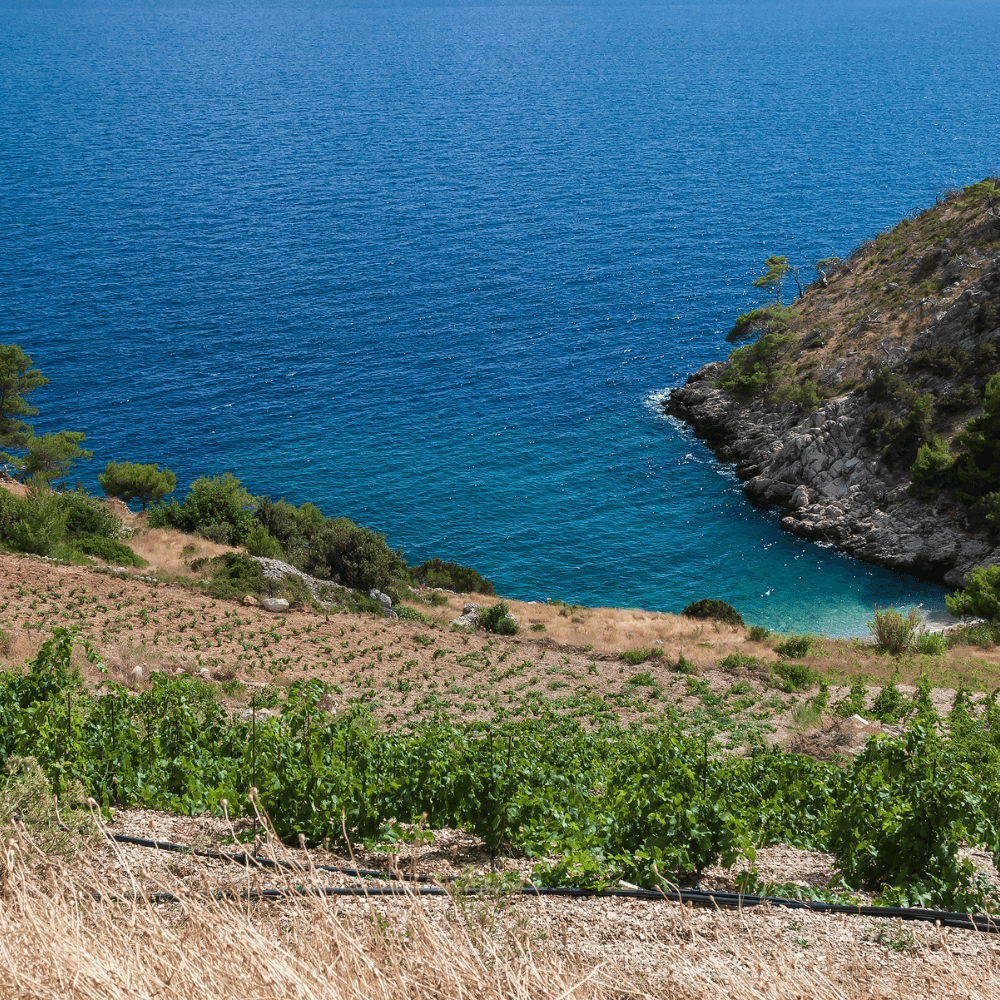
(109,549)
(637,656)
(736,662)
(497,619)
(892,632)
(795,646)
(796,676)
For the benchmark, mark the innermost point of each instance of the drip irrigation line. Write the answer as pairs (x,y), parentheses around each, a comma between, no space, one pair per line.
(252,860)
(696,897)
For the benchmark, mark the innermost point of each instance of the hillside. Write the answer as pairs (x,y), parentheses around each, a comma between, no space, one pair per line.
(410,745)
(864,410)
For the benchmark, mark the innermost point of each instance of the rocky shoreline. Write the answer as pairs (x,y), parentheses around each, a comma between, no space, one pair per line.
(822,470)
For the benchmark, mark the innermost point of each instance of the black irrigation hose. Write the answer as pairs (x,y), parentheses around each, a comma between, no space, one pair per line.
(696,897)
(252,860)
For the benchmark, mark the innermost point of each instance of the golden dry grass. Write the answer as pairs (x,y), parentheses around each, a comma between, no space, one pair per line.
(170,552)
(612,630)
(57,941)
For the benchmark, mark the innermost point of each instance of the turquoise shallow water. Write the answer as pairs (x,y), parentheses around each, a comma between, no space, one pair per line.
(433,266)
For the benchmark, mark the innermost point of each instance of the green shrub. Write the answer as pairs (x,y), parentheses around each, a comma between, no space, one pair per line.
(930,644)
(948,359)
(496,618)
(931,466)
(451,576)
(795,646)
(12,511)
(261,543)
(902,439)
(758,633)
(982,634)
(354,556)
(985,512)
(235,575)
(642,680)
(965,397)
(86,515)
(759,368)
(637,656)
(216,507)
(710,607)
(876,422)
(42,526)
(893,632)
(293,527)
(735,662)
(976,472)
(885,386)
(797,676)
(111,550)
(684,665)
(406,613)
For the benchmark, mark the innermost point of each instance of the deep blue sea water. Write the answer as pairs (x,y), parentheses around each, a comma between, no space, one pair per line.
(433,266)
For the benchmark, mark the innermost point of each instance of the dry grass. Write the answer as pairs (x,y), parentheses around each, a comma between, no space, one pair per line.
(56,941)
(613,630)
(170,552)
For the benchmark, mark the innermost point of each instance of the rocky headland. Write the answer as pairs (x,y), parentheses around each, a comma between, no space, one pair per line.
(883,360)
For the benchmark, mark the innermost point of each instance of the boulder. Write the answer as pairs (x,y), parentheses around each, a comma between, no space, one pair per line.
(250,601)
(386,601)
(468,617)
(276,604)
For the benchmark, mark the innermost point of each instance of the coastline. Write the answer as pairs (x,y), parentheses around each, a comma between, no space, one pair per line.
(824,472)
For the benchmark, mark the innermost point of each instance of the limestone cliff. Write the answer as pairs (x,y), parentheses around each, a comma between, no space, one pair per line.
(890,352)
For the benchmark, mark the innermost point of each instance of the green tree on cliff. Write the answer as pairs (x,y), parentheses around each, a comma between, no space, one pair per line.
(52,455)
(776,269)
(129,481)
(17,379)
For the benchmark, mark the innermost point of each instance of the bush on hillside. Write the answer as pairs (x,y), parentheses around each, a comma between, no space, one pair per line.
(109,549)
(354,556)
(216,507)
(759,368)
(42,525)
(796,676)
(86,515)
(892,632)
(260,542)
(451,576)
(735,662)
(795,646)
(292,527)
(234,575)
(710,607)
(496,618)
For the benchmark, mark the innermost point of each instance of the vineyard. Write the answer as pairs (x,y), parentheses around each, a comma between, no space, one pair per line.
(590,807)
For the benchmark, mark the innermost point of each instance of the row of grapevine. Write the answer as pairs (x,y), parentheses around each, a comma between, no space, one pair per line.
(611,803)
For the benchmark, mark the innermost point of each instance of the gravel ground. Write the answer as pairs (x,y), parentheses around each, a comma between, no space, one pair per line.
(649,939)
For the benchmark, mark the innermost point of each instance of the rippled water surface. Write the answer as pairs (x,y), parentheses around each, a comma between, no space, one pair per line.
(433,267)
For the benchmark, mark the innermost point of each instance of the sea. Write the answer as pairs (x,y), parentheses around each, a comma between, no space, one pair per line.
(435,266)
